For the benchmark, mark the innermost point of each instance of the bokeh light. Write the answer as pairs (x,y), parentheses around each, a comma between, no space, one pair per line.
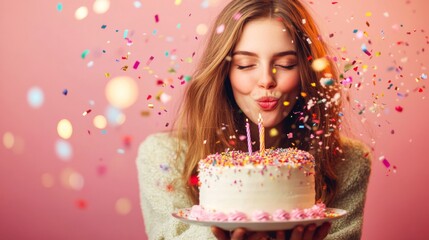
(137,4)
(63,149)
(47,180)
(35,97)
(76,181)
(8,140)
(320,64)
(123,206)
(100,122)
(121,92)
(201,29)
(101,6)
(81,13)
(64,129)
(71,179)
(115,117)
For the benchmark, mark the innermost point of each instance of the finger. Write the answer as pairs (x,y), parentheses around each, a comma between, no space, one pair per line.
(322,231)
(280,235)
(309,232)
(238,234)
(297,233)
(258,236)
(219,233)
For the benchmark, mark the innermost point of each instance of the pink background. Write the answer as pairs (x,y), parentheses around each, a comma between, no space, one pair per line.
(41,47)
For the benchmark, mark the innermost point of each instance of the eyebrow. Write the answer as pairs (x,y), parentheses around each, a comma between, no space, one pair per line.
(280,54)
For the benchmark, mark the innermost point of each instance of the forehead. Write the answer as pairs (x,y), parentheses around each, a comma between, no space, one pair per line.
(264,37)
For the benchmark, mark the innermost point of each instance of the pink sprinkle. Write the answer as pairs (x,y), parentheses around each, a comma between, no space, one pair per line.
(237,16)
(386,163)
(290,135)
(150,60)
(399,109)
(220,29)
(367,52)
(156,18)
(136,64)
(149,97)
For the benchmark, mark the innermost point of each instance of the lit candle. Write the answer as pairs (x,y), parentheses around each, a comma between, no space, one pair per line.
(261,135)
(249,140)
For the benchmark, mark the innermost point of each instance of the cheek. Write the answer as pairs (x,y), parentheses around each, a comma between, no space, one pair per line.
(241,83)
(288,83)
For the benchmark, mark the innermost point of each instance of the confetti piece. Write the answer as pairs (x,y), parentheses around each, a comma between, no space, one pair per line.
(274,70)
(193,180)
(365,50)
(59,7)
(86,112)
(150,60)
(286,103)
(120,151)
(103,26)
(368,14)
(136,64)
(125,33)
(220,29)
(65,92)
(399,109)
(290,135)
(188,78)
(384,161)
(177,2)
(326,82)
(84,53)
(424,76)
(237,16)
(156,18)
(303,94)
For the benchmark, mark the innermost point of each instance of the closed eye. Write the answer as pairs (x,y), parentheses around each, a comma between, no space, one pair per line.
(244,67)
(288,67)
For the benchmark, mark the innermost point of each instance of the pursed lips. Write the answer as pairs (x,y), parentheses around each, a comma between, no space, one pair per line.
(267,103)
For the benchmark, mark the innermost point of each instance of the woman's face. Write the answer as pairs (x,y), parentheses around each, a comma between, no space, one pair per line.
(264,72)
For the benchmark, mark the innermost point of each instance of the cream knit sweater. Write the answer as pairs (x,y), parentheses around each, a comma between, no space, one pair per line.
(162,191)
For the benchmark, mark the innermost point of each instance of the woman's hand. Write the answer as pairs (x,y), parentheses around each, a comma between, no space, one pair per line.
(310,232)
(239,234)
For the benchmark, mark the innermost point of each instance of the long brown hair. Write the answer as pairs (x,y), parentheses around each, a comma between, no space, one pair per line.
(210,119)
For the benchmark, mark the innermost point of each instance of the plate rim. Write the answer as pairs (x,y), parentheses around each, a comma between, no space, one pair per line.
(261,225)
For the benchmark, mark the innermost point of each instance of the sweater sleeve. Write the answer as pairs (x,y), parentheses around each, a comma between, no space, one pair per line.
(353,175)
(162,192)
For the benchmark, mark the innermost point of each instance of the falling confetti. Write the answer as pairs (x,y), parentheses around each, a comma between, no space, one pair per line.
(59,7)
(84,54)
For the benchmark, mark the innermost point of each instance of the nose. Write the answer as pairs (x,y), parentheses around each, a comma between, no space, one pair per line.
(267,78)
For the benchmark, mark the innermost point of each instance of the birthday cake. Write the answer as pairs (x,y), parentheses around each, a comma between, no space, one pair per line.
(276,185)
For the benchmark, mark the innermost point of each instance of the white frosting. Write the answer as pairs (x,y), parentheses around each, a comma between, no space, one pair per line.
(251,188)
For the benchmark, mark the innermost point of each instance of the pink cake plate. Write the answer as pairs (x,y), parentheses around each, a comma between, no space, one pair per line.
(332,214)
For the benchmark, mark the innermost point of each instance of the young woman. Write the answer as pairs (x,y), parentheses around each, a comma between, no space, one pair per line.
(260,64)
